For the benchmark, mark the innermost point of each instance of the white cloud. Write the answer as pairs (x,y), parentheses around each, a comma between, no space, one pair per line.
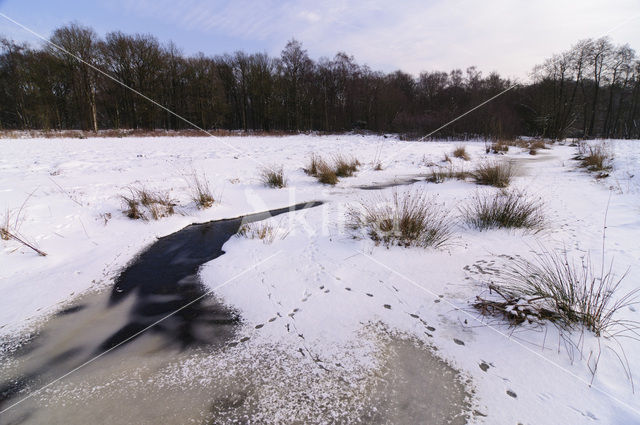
(413,35)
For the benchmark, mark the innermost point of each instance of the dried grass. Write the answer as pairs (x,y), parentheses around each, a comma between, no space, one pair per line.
(267,232)
(504,209)
(143,204)
(554,287)
(497,174)
(273,177)
(461,152)
(406,219)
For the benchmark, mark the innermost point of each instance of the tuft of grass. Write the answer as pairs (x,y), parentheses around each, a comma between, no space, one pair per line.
(132,208)
(265,231)
(273,177)
(500,146)
(345,167)
(321,170)
(555,288)
(537,145)
(446,158)
(201,192)
(504,209)
(442,174)
(143,203)
(461,152)
(5,228)
(497,174)
(595,158)
(9,229)
(407,219)
(326,174)
(314,162)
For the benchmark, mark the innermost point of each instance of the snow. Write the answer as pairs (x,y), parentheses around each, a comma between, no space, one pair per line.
(327,286)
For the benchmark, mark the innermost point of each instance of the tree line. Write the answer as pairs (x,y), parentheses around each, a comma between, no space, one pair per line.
(591,90)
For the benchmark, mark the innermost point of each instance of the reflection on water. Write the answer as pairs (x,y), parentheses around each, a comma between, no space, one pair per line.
(159,290)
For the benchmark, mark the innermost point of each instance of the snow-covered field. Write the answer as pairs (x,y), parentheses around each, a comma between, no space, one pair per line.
(335,297)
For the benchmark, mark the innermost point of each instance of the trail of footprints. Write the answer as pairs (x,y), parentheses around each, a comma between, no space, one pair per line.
(481,267)
(322,289)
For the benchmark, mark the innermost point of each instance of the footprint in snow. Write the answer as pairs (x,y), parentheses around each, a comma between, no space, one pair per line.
(457,341)
(512,394)
(485,367)
(387,306)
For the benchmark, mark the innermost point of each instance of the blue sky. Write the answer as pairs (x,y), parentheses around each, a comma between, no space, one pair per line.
(509,36)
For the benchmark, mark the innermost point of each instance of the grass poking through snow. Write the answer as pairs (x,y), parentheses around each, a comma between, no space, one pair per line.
(461,152)
(504,209)
(554,287)
(442,174)
(143,204)
(497,174)
(265,231)
(406,219)
(9,230)
(345,167)
(273,177)
(200,191)
(329,173)
(596,158)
